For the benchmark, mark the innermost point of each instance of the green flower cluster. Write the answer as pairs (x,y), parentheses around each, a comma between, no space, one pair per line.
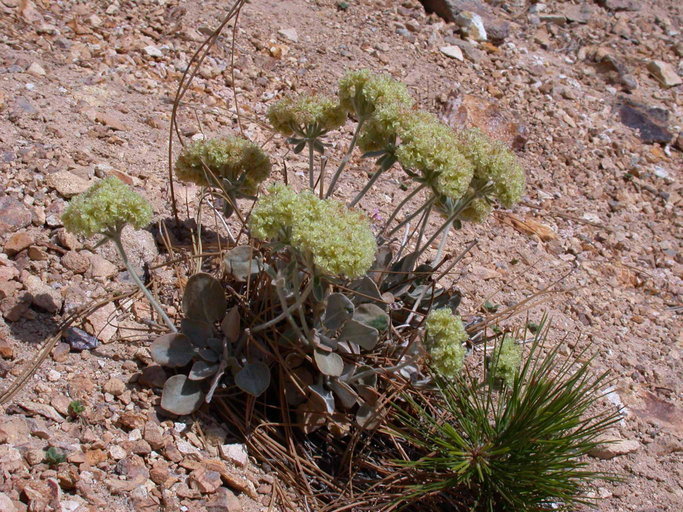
(493,162)
(430,146)
(238,161)
(426,145)
(444,338)
(105,208)
(477,211)
(291,116)
(339,240)
(362,92)
(506,360)
(381,131)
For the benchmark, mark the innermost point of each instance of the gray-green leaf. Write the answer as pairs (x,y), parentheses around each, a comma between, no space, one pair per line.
(202,370)
(204,298)
(240,263)
(254,378)
(360,334)
(181,395)
(329,363)
(337,311)
(372,315)
(172,350)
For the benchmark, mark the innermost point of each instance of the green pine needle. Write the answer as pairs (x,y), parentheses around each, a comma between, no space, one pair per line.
(520,447)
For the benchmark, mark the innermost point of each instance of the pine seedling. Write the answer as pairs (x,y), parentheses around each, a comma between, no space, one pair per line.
(517,447)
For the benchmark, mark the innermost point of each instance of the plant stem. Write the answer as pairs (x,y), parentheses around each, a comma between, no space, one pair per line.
(345,159)
(411,216)
(463,203)
(311,179)
(287,310)
(442,244)
(401,205)
(423,228)
(367,187)
(116,238)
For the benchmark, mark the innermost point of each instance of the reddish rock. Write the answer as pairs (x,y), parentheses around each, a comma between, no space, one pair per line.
(17,242)
(36,253)
(6,349)
(154,435)
(467,111)
(13,215)
(76,262)
(205,480)
(224,500)
(114,386)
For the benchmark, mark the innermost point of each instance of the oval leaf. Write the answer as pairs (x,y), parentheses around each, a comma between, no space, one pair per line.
(239,263)
(360,334)
(337,311)
(202,370)
(254,378)
(366,289)
(231,325)
(367,417)
(322,398)
(329,363)
(172,350)
(197,330)
(181,395)
(373,316)
(204,298)
(347,396)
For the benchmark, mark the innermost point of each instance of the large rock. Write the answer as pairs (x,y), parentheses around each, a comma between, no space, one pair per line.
(468,111)
(611,447)
(651,122)
(13,215)
(497,29)
(43,296)
(67,184)
(140,248)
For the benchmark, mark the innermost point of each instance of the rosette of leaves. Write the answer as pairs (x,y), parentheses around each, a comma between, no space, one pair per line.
(338,379)
(207,346)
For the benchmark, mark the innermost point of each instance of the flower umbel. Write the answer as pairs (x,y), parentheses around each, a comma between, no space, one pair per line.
(339,240)
(430,146)
(493,162)
(444,338)
(362,92)
(237,161)
(294,116)
(105,208)
(506,360)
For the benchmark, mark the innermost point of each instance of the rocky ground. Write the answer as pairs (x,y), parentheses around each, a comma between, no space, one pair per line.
(588,93)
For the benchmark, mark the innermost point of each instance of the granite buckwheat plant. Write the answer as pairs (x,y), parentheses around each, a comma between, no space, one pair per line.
(321,311)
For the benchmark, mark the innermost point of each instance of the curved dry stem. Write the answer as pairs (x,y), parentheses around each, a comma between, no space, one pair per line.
(184,85)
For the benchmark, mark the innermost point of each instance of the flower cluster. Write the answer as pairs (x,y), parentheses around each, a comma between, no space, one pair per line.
(426,145)
(444,337)
(506,360)
(237,161)
(339,240)
(477,211)
(362,92)
(382,129)
(493,162)
(430,146)
(291,116)
(105,208)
